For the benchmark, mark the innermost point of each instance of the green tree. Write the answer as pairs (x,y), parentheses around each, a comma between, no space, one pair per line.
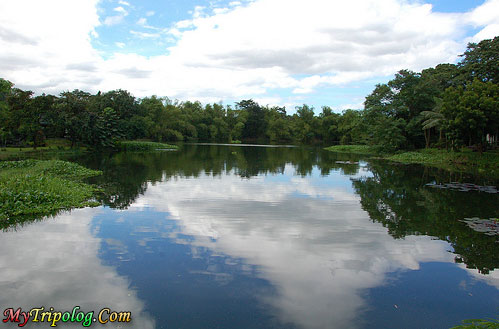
(352,127)
(5,115)
(329,121)
(481,61)
(471,113)
(278,125)
(305,124)
(73,108)
(255,125)
(433,119)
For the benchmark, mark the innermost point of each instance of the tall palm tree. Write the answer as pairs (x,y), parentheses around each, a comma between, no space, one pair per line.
(433,119)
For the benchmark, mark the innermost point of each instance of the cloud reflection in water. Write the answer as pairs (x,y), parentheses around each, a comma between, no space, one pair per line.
(309,238)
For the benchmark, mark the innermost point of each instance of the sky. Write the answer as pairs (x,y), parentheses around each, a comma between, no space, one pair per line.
(277,52)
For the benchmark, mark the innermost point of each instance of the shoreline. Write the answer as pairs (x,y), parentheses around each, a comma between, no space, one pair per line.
(486,163)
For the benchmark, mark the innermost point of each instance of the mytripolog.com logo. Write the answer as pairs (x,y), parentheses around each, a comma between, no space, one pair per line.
(40,315)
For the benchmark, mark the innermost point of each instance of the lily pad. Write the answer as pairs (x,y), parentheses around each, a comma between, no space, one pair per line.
(464,187)
(487,226)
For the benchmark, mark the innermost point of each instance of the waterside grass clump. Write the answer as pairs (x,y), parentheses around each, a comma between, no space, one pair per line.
(143,146)
(355,149)
(486,163)
(33,188)
(466,160)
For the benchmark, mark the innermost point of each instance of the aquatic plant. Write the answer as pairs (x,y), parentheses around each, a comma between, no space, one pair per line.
(143,146)
(478,324)
(464,187)
(357,149)
(42,187)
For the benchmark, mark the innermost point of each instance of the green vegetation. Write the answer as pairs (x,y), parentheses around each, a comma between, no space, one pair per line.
(31,188)
(143,146)
(478,324)
(355,149)
(466,160)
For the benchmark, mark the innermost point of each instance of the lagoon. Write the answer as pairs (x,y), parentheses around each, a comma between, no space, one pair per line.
(220,236)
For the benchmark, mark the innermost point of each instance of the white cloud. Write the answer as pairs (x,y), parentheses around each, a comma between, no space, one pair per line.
(121,2)
(244,51)
(145,35)
(488,15)
(116,19)
(113,20)
(142,21)
(57,41)
(120,44)
(218,11)
(352,106)
(121,10)
(150,13)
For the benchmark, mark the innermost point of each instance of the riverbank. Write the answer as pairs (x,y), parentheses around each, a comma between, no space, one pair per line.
(33,188)
(486,163)
(466,160)
(52,146)
(61,146)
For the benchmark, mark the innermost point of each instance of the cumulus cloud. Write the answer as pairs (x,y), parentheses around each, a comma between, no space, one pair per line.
(57,38)
(247,49)
(485,15)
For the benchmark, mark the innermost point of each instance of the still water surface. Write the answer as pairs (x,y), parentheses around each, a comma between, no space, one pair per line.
(257,237)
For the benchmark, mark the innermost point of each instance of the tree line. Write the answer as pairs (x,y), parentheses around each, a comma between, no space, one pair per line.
(450,105)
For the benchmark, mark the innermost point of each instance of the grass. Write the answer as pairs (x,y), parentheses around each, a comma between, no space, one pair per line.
(357,149)
(33,188)
(466,160)
(143,146)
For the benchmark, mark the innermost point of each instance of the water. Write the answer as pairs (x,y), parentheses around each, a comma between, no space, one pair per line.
(255,237)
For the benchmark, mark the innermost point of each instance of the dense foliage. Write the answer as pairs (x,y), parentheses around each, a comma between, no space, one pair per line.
(448,105)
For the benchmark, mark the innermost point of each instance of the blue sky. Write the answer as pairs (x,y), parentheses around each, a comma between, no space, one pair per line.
(278,52)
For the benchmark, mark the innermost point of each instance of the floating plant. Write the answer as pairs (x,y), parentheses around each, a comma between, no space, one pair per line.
(465,187)
(486,226)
